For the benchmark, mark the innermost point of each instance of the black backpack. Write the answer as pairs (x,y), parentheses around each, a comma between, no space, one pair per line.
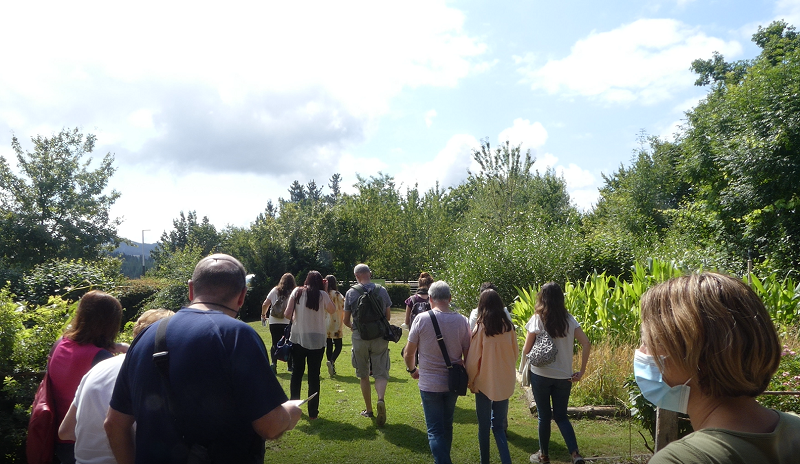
(419,308)
(369,318)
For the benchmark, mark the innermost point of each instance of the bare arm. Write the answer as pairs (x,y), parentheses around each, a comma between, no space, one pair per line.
(271,425)
(346,321)
(389,313)
(265,308)
(408,316)
(408,356)
(66,431)
(529,340)
(586,347)
(119,429)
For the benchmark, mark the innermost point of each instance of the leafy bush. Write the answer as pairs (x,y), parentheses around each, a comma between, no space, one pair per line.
(786,379)
(134,294)
(69,279)
(25,340)
(398,293)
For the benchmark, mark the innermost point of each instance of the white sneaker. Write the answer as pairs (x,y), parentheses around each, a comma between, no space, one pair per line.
(331,369)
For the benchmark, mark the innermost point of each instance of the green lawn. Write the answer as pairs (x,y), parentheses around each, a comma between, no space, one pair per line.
(342,436)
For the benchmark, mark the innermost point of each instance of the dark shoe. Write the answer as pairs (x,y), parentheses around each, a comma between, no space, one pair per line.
(381,413)
(366,413)
(274,368)
(331,369)
(578,459)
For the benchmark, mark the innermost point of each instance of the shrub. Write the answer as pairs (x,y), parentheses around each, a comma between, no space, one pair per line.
(134,294)
(26,336)
(69,279)
(786,379)
(399,293)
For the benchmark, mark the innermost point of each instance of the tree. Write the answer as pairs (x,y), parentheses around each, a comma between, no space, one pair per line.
(56,206)
(202,236)
(743,153)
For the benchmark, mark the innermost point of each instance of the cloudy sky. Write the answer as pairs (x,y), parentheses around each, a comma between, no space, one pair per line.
(218,106)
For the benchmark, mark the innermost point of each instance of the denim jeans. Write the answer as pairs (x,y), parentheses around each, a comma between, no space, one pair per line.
(545,388)
(492,416)
(439,408)
(299,356)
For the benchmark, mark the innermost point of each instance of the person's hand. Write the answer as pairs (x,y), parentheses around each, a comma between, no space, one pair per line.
(576,377)
(120,348)
(293,408)
(415,375)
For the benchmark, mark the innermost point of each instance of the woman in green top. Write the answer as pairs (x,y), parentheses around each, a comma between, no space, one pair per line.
(708,349)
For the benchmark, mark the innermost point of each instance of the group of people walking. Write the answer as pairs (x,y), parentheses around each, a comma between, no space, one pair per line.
(199,385)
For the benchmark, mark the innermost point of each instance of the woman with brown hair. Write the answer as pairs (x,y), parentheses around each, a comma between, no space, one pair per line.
(708,349)
(273,308)
(308,336)
(88,339)
(491,365)
(421,296)
(554,381)
(333,324)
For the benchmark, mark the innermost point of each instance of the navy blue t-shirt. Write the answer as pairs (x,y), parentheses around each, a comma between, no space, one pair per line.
(221,382)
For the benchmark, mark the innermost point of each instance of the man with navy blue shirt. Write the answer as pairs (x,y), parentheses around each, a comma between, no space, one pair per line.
(225,400)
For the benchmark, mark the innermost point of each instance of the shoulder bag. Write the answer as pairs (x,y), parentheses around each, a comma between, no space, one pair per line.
(457,373)
(543,351)
(42,427)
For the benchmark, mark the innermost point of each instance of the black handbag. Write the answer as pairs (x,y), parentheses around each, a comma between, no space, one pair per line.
(283,349)
(457,373)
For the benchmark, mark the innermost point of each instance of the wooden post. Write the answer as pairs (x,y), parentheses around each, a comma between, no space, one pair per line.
(666,427)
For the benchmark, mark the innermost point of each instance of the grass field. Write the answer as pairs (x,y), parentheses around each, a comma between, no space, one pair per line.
(342,436)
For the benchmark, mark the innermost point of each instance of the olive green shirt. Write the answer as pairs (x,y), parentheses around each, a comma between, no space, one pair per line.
(720,446)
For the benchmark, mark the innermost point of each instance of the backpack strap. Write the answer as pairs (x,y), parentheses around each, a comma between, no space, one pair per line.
(440,339)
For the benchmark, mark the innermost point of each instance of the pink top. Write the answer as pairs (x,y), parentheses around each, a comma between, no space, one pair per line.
(492,364)
(69,363)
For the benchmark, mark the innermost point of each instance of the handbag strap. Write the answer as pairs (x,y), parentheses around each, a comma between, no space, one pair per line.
(161,360)
(440,339)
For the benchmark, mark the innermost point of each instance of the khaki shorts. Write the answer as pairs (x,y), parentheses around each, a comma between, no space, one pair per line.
(377,351)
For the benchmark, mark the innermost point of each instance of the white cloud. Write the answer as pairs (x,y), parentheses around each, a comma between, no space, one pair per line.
(789,11)
(531,136)
(645,61)
(448,167)
(429,115)
(584,199)
(575,176)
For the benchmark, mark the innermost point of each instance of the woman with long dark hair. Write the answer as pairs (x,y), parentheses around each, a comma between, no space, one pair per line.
(308,336)
(554,381)
(274,307)
(88,339)
(492,373)
(333,324)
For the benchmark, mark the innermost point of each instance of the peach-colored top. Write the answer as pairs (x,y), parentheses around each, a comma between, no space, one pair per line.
(492,364)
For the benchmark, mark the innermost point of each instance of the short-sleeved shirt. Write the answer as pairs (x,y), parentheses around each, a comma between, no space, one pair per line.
(433,376)
(221,376)
(562,367)
(351,301)
(308,326)
(91,405)
(713,446)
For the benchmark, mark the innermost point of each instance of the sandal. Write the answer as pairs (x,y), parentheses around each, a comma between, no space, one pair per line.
(539,457)
(366,413)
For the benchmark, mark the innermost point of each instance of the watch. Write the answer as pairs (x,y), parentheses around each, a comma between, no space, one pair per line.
(411,371)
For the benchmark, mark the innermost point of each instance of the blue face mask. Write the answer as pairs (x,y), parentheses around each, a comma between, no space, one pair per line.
(653,387)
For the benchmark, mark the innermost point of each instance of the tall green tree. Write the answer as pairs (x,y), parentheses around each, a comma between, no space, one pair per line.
(743,153)
(187,231)
(56,205)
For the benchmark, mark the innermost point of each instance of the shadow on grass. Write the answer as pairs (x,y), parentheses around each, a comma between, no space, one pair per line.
(332,430)
(530,444)
(408,437)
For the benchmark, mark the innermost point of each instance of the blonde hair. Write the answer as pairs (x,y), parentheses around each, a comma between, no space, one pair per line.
(715,328)
(148,317)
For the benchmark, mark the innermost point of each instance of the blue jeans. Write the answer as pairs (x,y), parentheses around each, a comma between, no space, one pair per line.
(439,408)
(492,415)
(545,388)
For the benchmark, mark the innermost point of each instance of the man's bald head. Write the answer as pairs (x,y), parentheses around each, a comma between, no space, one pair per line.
(220,277)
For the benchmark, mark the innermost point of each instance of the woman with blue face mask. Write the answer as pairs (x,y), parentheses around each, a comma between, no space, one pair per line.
(709,349)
